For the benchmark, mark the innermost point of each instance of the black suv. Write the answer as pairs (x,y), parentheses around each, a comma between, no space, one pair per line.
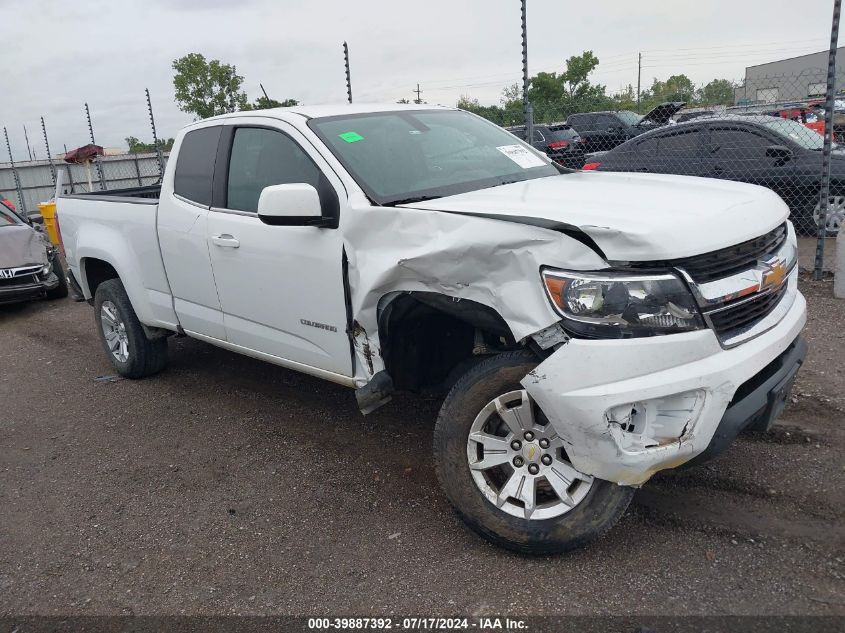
(605,130)
(557,140)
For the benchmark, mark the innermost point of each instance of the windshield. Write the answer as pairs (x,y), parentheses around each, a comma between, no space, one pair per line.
(7,218)
(407,156)
(628,117)
(796,132)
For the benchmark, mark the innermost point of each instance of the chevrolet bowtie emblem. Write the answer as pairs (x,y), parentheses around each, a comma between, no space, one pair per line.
(774,273)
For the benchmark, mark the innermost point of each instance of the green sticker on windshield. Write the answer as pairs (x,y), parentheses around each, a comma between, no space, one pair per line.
(351,137)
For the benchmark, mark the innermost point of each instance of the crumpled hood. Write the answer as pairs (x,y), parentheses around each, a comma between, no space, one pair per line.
(21,245)
(631,217)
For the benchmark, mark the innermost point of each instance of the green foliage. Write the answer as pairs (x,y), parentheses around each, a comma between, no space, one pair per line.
(717,92)
(207,88)
(554,96)
(264,103)
(139,147)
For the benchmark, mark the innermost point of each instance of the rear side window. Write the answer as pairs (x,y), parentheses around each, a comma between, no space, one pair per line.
(195,165)
(581,121)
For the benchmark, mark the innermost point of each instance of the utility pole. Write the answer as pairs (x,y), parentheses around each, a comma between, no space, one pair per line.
(639,77)
(348,76)
(418,100)
(527,110)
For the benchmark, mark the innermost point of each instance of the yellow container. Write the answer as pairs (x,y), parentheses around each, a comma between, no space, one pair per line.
(48,212)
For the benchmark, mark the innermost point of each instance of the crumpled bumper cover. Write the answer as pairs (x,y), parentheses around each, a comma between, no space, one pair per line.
(584,381)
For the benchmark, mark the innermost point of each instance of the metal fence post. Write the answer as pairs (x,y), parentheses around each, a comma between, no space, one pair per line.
(97,157)
(824,193)
(49,155)
(527,112)
(15,172)
(156,144)
(348,76)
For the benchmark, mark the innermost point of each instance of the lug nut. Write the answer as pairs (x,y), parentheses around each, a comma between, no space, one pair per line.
(533,469)
(529,436)
(546,459)
(518,461)
(516,445)
(544,443)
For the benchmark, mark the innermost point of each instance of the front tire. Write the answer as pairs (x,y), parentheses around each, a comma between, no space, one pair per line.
(505,470)
(131,353)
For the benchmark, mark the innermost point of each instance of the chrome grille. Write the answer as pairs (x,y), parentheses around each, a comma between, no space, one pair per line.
(735,318)
(727,261)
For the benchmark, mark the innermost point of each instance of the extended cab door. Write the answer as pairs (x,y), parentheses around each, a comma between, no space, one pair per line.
(182,230)
(281,288)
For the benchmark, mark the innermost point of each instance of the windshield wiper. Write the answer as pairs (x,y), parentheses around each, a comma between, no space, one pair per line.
(411,200)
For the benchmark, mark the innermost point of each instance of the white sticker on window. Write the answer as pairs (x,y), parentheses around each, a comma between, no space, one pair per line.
(521,156)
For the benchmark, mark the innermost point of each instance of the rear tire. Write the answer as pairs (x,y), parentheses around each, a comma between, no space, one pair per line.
(588,514)
(131,353)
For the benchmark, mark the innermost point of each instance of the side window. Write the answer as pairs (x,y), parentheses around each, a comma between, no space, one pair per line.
(582,122)
(737,143)
(684,145)
(538,137)
(195,164)
(260,158)
(648,147)
(607,121)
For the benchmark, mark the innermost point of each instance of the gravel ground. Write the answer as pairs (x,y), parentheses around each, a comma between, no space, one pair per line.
(229,486)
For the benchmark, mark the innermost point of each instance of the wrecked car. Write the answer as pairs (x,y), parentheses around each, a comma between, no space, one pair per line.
(30,267)
(591,328)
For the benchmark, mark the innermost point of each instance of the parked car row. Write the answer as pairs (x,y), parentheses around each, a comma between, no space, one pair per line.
(558,141)
(774,152)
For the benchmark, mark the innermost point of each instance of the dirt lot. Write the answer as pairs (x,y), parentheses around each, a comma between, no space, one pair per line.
(229,486)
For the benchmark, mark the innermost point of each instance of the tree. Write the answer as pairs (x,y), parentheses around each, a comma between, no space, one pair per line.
(137,146)
(264,103)
(676,88)
(207,88)
(717,92)
(575,77)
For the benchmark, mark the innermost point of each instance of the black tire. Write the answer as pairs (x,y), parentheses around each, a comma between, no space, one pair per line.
(146,357)
(60,291)
(600,509)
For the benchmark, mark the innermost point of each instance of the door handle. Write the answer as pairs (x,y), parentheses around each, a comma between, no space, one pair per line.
(225,240)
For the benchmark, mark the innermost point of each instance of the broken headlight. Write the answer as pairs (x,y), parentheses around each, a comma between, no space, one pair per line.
(620,305)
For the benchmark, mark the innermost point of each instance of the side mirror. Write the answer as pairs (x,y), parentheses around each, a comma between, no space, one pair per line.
(296,204)
(780,152)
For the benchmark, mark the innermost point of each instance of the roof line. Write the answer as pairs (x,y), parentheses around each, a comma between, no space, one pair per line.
(786,59)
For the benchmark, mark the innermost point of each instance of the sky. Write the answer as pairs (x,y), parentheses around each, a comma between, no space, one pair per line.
(58,55)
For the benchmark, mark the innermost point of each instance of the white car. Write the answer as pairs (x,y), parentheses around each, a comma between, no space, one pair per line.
(591,328)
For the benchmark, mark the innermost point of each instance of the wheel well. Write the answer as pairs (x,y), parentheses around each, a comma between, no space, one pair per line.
(97,271)
(425,335)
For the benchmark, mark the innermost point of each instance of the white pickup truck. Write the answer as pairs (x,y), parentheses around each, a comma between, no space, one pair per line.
(590,328)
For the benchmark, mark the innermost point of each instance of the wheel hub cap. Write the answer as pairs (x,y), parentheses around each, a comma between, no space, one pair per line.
(519,463)
(114,331)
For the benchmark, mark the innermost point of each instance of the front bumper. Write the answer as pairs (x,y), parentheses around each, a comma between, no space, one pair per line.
(683,382)
(16,293)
